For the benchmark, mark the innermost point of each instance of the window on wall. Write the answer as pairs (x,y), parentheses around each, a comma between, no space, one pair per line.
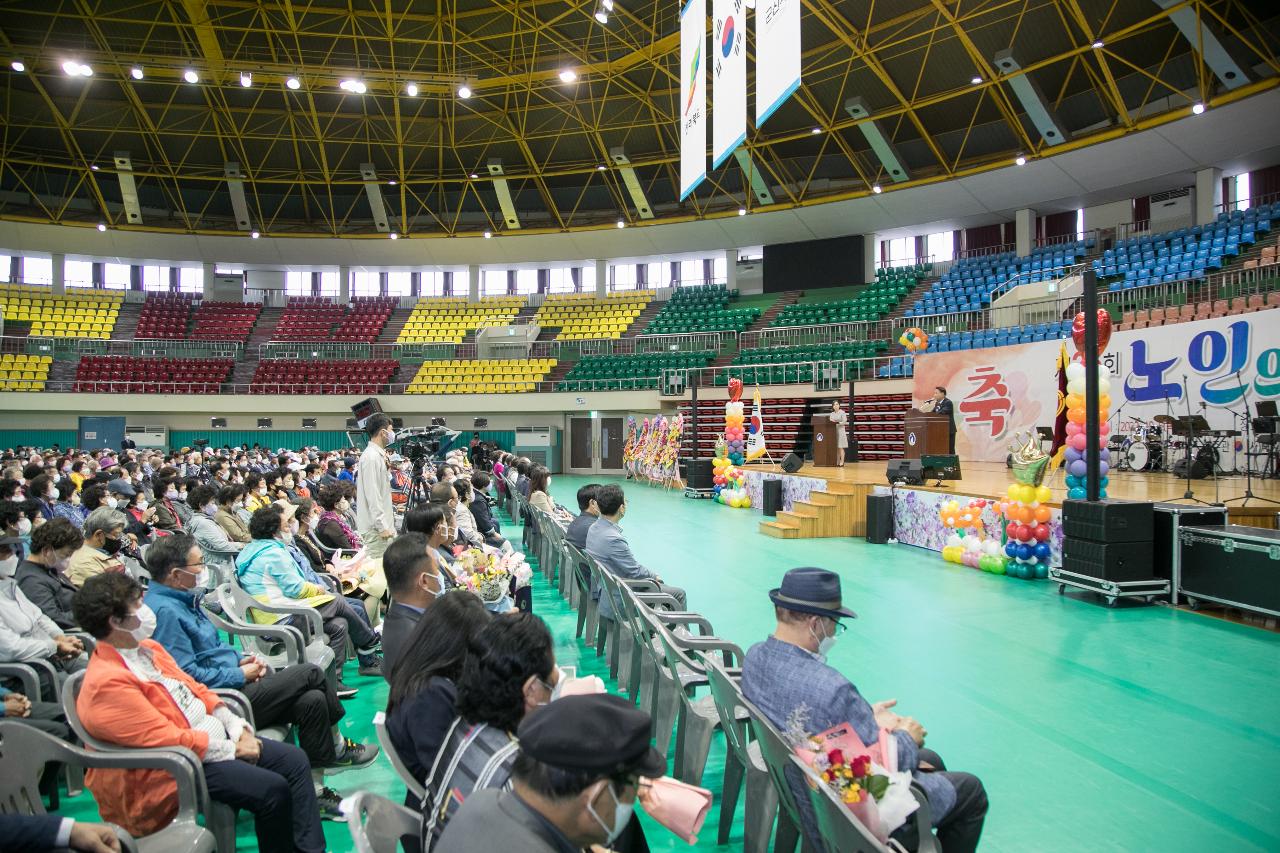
(1080,223)
(224,269)
(431,283)
(328,283)
(560,280)
(901,251)
(587,278)
(493,282)
(400,283)
(1242,191)
(155,279)
(461,283)
(75,273)
(624,276)
(116,276)
(37,270)
(720,269)
(364,283)
(297,283)
(941,246)
(526,282)
(691,273)
(191,279)
(658,274)
(5,262)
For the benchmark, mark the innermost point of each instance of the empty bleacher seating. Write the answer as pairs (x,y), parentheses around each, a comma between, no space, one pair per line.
(581,316)
(447,321)
(324,376)
(701,309)
(626,372)
(22,372)
(80,314)
(365,318)
(225,321)
(870,303)
(482,376)
(792,364)
(1186,253)
(308,318)
(128,374)
(164,315)
(952,341)
(968,285)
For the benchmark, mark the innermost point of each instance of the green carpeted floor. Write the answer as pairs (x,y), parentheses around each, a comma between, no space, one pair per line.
(1139,728)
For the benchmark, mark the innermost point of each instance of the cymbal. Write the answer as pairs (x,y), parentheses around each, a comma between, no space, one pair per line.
(1166,420)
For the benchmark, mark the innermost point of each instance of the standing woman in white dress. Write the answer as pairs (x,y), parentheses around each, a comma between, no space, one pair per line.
(841,419)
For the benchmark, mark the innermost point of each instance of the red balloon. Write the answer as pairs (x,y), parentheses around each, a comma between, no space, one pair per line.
(1041,532)
(1012,530)
(1104,330)
(1024,533)
(735,389)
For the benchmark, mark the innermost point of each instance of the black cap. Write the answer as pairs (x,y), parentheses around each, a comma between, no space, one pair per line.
(599,733)
(811,590)
(121,487)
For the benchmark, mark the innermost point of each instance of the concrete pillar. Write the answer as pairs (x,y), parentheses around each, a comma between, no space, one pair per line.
(1024,231)
(59,278)
(870,256)
(731,269)
(473,283)
(602,279)
(207,272)
(1208,195)
(344,284)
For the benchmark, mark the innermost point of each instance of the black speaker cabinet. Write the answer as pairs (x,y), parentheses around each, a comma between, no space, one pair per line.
(1169,518)
(791,463)
(1198,469)
(697,473)
(879,518)
(908,471)
(1110,561)
(772,497)
(1108,521)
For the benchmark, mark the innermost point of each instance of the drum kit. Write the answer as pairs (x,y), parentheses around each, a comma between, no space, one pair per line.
(1159,446)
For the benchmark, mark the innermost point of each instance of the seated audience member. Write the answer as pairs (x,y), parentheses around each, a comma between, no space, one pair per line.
(48,717)
(420,708)
(269,572)
(219,549)
(43,575)
(540,494)
(134,695)
(33,833)
(522,476)
(574,782)
(365,587)
(69,505)
(166,504)
(468,529)
(230,501)
(103,540)
(333,531)
(26,634)
(348,471)
(141,514)
(299,694)
(256,497)
(415,584)
(788,671)
(607,545)
(486,523)
(510,671)
(588,512)
(14,524)
(40,488)
(432,521)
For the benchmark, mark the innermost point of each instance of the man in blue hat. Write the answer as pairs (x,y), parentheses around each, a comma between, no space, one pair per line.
(788,673)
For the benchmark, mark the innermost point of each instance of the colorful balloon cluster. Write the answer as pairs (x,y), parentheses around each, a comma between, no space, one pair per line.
(1076,452)
(729,483)
(1026,513)
(967,545)
(914,339)
(735,434)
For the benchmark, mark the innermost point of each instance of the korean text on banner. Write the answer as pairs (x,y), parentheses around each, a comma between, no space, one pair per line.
(729,71)
(693,96)
(777,54)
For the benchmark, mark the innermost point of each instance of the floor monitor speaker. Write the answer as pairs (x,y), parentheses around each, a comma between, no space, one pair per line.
(791,463)
(908,471)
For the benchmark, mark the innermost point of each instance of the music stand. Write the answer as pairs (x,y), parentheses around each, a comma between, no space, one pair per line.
(1265,410)
(1190,424)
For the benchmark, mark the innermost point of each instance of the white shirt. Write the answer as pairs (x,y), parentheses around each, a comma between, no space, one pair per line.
(374,511)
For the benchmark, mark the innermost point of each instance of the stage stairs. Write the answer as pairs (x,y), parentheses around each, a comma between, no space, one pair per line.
(839,511)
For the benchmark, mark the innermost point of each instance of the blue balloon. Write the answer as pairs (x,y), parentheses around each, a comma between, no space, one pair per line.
(1076,494)
(1073,455)
(1042,571)
(1104,481)
(1103,468)
(1042,550)
(1024,552)
(1011,548)
(1104,455)
(1102,493)
(1073,481)
(1078,468)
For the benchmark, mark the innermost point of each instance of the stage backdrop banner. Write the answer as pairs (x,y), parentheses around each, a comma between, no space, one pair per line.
(693,96)
(777,54)
(729,71)
(1002,390)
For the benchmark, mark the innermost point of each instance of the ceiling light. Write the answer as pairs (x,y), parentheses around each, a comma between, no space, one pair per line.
(86,71)
(411,90)
(607,4)
(622,223)
(600,168)
(568,75)
(354,86)
(1197,108)
(191,76)
(1020,160)
(391,183)
(253,234)
(742,211)
(136,72)
(976,80)
(876,189)
(394,236)
(17,65)
(1097,45)
(246,79)
(94,167)
(488,234)
(464,91)
(816,130)
(102,226)
(602,16)
(474,176)
(293,83)
(75,69)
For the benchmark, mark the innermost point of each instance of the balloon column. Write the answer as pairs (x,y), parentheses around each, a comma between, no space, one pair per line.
(914,339)
(729,483)
(1026,512)
(968,544)
(1077,447)
(734,433)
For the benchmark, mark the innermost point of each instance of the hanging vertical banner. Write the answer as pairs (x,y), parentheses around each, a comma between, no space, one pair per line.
(777,54)
(729,70)
(693,96)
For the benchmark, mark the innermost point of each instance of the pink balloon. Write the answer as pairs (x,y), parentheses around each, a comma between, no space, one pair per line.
(1073,429)
(1079,441)
(1104,429)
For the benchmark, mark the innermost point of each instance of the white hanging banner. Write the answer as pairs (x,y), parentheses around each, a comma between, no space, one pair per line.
(693,96)
(777,54)
(729,70)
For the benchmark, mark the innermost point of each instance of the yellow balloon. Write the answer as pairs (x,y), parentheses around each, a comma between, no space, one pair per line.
(1075,401)
(1015,492)
(1027,494)
(1043,494)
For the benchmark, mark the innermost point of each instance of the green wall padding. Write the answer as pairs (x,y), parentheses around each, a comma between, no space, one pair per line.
(291,439)
(37,437)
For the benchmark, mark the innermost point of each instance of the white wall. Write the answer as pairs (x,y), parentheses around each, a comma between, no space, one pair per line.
(751,278)
(1108,215)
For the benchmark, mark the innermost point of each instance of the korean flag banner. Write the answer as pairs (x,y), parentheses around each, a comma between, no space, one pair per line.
(693,96)
(777,54)
(729,71)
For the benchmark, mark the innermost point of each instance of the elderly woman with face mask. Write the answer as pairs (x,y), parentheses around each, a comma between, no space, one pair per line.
(219,549)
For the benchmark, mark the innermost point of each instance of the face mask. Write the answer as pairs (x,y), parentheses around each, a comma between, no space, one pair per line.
(24,527)
(391,436)
(141,506)
(112,502)
(262,490)
(293,527)
(75,499)
(344,505)
(621,816)
(561,681)
(61,564)
(210,509)
(112,546)
(8,566)
(171,494)
(202,579)
(147,618)
(824,643)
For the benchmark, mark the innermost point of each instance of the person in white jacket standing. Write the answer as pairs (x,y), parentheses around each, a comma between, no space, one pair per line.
(375,515)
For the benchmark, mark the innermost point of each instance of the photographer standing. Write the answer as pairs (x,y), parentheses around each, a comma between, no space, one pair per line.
(375,515)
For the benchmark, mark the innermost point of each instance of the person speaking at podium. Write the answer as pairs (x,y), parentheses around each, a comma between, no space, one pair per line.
(940,405)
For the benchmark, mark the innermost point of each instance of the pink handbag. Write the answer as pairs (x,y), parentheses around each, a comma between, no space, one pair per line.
(678,806)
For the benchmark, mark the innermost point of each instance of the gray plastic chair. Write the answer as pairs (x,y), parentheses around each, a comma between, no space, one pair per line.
(618,642)
(28,674)
(415,786)
(671,682)
(844,833)
(588,607)
(219,817)
(777,757)
(24,750)
(286,640)
(634,635)
(376,824)
(237,604)
(741,759)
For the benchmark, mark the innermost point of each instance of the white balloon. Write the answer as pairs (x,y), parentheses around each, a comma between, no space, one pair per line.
(991,547)
(972,544)
(1076,386)
(1104,385)
(954,541)
(1075,370)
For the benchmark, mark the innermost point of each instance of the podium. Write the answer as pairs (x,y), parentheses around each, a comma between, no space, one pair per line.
(826,437)
(925,434)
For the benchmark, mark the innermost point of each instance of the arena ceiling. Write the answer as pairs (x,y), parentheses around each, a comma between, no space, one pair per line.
(926,71)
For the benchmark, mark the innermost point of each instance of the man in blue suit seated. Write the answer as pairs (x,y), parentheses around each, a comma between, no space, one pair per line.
(31,833)
(610,549)
(788,673)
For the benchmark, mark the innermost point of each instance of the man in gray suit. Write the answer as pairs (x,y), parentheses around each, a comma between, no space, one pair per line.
(575,781)
(606,544)
(414,583)
(787,675)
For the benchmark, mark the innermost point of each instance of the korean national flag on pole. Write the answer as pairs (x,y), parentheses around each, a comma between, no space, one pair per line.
(729,71)
(756,446)
(693,96)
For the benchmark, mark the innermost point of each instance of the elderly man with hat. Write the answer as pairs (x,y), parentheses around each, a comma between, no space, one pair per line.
(788,672)
(574,781)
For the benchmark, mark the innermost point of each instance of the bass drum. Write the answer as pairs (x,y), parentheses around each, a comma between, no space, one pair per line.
(1140,456)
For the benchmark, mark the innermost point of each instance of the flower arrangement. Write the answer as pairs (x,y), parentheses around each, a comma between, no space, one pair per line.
(852,780)
(488,572)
